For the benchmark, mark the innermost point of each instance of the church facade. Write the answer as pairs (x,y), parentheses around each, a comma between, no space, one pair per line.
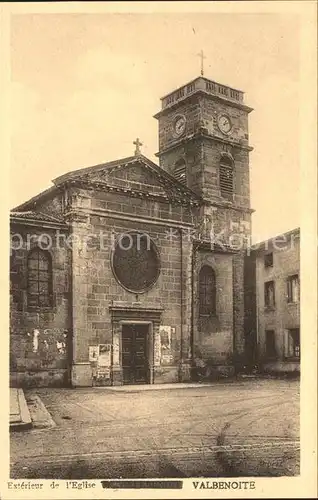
(129,271)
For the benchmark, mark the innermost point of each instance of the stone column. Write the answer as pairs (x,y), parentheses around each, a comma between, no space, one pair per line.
(156,351)
(238,307)
(117,370)
(186,305)
(81,368)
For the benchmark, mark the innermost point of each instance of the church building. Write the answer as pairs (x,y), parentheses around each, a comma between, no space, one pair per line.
(127,271)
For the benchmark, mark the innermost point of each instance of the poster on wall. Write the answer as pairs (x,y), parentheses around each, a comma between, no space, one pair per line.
(103,372)
(104,355)
(166,359)
(165,337)
(116,351)
(157,349)
(93,353)
(104,361)
(165,333)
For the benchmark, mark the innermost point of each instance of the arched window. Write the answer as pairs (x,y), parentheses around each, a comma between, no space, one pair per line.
(39,279)
(180,171)
(226,177)
(207,291)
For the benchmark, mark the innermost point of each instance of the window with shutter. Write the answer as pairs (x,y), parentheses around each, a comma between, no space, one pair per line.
(226,178)
(293,288)
(180,171)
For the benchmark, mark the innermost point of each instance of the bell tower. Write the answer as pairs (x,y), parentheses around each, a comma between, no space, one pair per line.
(204,143)
(203,137)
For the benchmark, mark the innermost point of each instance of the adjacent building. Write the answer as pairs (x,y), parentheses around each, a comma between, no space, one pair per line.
(275,301)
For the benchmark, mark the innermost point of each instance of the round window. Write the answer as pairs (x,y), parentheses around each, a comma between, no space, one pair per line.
(136,262)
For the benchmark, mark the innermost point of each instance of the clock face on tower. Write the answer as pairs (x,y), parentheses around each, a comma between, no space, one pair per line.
(179,125)
(224,124)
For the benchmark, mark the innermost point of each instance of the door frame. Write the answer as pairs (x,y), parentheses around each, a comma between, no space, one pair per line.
(150,344)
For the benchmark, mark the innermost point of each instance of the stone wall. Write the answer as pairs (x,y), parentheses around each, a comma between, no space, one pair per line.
(212,156)
(53,205)
(191,109)
(212,108)
(238,307)
(250,314)
(97,292)
(203,143)
(213,335)
(39,339)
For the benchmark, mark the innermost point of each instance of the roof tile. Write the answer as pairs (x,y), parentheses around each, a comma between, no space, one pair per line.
(37,216)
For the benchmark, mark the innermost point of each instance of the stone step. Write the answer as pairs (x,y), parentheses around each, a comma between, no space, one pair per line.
(20,418)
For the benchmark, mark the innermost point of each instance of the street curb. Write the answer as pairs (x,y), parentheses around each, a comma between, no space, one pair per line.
(167,387)
(25,418)
(41,417)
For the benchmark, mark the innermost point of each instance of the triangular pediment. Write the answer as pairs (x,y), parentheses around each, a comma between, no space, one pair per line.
(132,175)
(135,176)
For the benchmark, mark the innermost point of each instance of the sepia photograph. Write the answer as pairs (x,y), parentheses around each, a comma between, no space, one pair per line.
(156,228)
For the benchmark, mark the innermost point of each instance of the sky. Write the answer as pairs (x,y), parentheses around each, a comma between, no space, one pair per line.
(84,86)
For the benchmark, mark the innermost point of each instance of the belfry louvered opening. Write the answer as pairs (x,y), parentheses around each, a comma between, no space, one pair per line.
(226,178)
(180,172)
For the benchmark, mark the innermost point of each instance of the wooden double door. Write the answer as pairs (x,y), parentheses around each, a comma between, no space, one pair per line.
(135,355)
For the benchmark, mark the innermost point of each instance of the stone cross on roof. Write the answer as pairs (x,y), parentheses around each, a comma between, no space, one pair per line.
(202,57)
(137,143)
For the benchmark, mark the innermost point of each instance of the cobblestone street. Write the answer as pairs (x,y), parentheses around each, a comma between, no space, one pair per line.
(228,429)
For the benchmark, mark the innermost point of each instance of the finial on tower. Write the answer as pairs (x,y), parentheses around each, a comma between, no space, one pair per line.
(137,143)
(202,57)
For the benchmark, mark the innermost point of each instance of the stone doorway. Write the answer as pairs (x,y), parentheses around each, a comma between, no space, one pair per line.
(149,317)
(135,353)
